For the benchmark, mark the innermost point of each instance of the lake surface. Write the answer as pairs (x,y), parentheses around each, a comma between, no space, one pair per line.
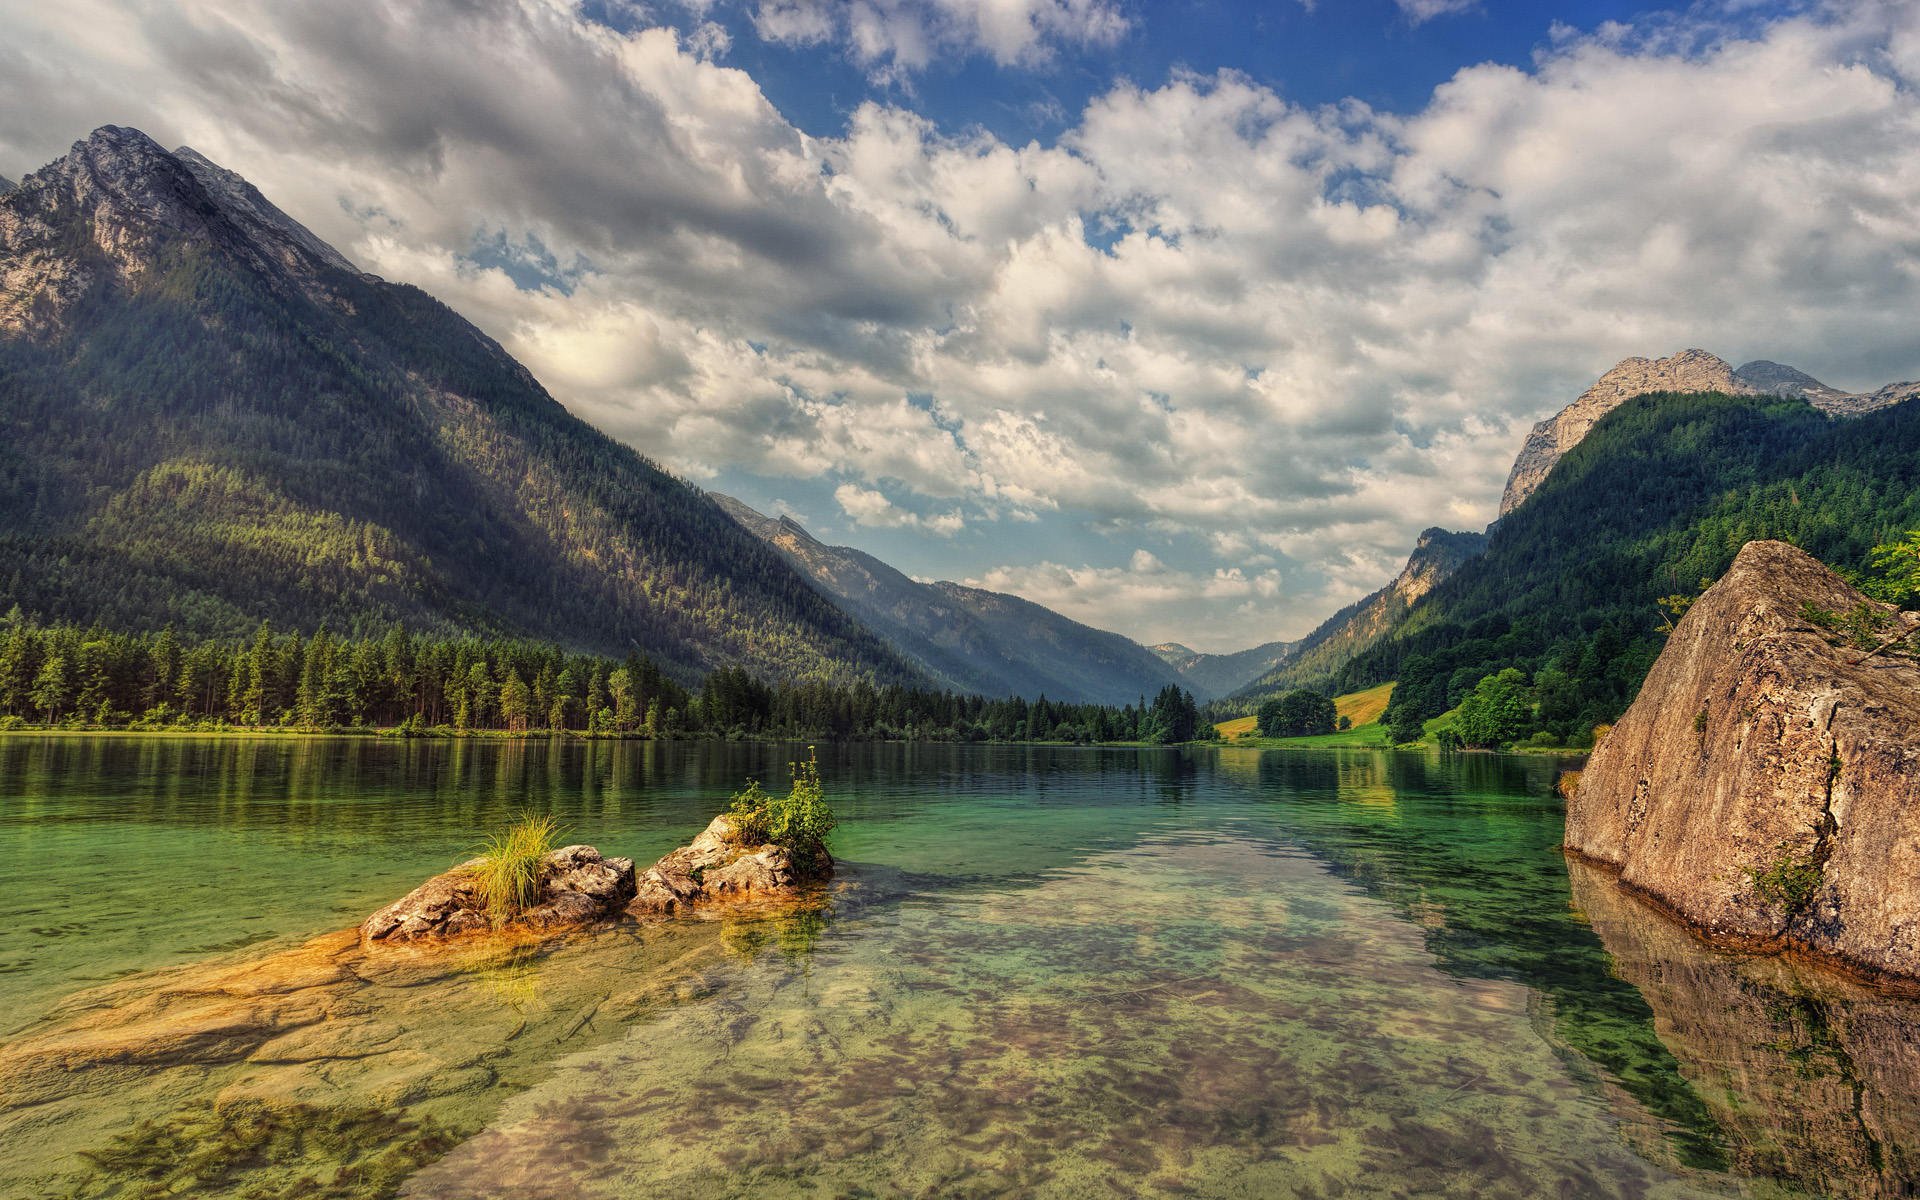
(1040,971)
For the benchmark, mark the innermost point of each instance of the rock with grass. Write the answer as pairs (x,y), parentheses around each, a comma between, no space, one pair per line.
(1765,784)
(519,884)
(762,846)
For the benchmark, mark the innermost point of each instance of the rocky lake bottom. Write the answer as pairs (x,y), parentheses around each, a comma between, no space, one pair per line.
(1038,972)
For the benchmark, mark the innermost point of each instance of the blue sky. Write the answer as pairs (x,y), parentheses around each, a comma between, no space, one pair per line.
(1369,50)
(1183,319)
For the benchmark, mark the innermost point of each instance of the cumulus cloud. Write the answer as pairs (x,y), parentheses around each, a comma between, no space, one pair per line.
(1279,340)
(893,38)
(871,508)
(1111,597)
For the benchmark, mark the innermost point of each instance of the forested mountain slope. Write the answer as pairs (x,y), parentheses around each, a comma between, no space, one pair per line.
(1436,556)
(970,639)
(208,417)
(1658,497)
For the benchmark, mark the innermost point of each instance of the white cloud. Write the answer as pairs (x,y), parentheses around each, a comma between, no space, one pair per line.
(1114,597)
(1418,11)
(872,509)
(893,38)
(1206,317)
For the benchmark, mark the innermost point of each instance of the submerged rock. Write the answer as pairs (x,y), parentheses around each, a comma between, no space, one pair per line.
(1765,784)
(721,863)
(577,887)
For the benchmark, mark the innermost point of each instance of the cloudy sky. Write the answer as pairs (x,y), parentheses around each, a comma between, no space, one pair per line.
(1183,318)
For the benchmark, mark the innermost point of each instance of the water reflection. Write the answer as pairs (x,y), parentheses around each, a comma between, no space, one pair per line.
(1813,1078)
(1046,970)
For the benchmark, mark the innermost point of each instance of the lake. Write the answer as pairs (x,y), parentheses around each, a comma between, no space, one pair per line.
(1039,972)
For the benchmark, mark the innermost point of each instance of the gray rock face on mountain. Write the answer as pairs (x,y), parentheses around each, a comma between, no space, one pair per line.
(1765,784)
(135,198)
(244,204)
(1778,379)
(970,639)
(6,185)
(1688,371)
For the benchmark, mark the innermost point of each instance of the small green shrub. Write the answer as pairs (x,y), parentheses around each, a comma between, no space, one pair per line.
(509,870)
(799,822)
(1790,880)
(1813,614)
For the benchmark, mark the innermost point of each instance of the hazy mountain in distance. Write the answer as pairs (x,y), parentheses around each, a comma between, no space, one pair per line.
(1224,674)
(974,640)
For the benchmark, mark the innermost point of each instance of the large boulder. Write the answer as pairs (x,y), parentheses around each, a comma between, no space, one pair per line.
(1765,784)
(720,862)
(578,886)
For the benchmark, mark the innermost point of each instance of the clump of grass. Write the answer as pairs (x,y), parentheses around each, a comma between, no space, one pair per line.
(1789,881)
(799,822)
(509,870)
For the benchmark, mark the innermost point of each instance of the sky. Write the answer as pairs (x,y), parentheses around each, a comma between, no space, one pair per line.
(1183,319)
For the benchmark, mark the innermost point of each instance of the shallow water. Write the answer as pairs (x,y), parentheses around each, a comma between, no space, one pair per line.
(1039,972)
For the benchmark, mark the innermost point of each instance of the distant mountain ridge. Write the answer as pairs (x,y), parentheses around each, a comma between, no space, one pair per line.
(1437,555)
(209,417)
(968,638)
(1687,371)
(1224,674)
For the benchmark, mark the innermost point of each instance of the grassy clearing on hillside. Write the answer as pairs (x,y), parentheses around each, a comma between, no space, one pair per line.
(1362,708)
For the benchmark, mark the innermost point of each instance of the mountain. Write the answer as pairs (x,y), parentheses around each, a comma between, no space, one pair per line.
(209,418)
(1773,379)
(1224,674)
(1659,496)
(1436,556)
(968,639)
(1690,371)
(6,185)
(1777,379)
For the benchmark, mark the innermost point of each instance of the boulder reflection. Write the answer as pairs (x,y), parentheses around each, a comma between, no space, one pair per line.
(1813,1078)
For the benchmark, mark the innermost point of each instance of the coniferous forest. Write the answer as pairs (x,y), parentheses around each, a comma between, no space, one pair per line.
(1579,584)
(66,676)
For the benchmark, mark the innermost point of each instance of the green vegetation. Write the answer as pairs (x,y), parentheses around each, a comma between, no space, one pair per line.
(1789,880)
(799,822)
(1499,709)
(1579,585)
(1299,713)
(1357,724)
(211,447)
(74,677)
(509,870)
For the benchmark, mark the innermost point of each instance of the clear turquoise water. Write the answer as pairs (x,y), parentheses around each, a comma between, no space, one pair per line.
(1040,972)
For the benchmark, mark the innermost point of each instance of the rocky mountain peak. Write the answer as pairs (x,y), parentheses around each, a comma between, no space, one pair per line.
(1687,371)
(128,197)
(243,202)
(6,185)
(1778,379)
